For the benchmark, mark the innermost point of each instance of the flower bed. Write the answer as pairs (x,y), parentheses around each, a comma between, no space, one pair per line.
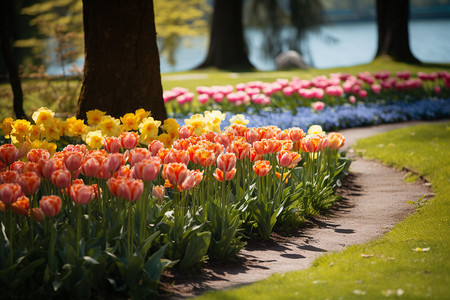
(79,220)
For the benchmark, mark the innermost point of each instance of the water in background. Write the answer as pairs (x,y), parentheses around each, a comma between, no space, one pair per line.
(356,44)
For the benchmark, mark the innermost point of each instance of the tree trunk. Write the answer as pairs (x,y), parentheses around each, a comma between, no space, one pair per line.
(393,36)
(8,56)
(122,68)
(227,46)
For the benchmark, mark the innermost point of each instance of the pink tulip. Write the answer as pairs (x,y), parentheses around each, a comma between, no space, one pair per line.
(18,166)
(437,90)
(50,205)
(61,178)
(156,145)
(147,169)
(9,176)
(376,88)
(9,192)
(319,105)
(90,167)
(81,194)
(226,161)
(352,99)
(203,98)
(114,161)
(29,182)
(73,160)
(111,144)
(158,192)
(8,154)
(129,139)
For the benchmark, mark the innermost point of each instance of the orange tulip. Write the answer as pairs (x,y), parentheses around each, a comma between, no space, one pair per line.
(61,178)
(313,143)
(72,160)
(50,205)
(335,140)
(35,155)
(226,161)
(36,214)
(148,169)
(177,156)
(155,146)
(111,144)
(240,148)
(288,158)
(182,144)
(204,157)
(252,135)
(136,155)
(262,167)
(21,206)
(296,134)
(158,192)
(29,182)
(176,173)
(81,194)
(129,139)
(218,174)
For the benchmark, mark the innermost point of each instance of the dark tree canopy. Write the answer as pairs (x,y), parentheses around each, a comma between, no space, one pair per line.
(122,67)
(393,35)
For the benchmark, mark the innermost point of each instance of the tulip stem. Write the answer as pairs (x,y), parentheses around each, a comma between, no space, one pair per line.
(11,235)
(79,228)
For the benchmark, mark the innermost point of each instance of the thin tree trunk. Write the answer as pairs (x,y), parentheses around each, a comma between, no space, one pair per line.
(227,46)
(8,56)
(122,67)
(393,35)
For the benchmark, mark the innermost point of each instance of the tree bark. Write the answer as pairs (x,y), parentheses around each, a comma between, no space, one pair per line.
(393,36)
(122,67)
(227,46)
(11,65)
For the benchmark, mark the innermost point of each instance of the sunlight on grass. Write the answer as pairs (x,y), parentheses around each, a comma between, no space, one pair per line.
(412,261)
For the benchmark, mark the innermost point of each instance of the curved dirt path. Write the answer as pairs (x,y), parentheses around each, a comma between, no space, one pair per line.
(373,201)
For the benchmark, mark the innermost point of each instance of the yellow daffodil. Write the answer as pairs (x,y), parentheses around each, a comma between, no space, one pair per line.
(43,116)
(165,139)
(94,139)
(51,132)
(20,130)
(110,126)
(142,114)
(171,126)
(7,126)
(75,127)
(35,132)
(239,119)
(214,119)
(148,130)
(130,122)
(50,147)
(94,116)
(197,122)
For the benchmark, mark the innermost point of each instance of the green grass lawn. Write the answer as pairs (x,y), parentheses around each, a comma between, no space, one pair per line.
(59,97)
(396,267)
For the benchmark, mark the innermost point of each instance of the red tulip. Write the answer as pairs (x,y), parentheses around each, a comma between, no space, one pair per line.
(8,176)
(8,154)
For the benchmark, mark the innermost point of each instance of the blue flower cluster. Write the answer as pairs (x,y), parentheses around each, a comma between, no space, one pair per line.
(347,116)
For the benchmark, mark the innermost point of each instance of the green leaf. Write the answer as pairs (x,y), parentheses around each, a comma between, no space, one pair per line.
(154,267)
(196,249)
(91,260)
(148,243)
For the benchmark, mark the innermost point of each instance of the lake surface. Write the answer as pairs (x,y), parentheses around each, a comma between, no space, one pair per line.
(355,44)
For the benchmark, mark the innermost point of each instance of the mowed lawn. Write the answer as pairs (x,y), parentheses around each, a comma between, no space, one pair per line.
(410,262)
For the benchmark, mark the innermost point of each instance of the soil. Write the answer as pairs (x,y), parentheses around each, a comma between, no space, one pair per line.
(374,199)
